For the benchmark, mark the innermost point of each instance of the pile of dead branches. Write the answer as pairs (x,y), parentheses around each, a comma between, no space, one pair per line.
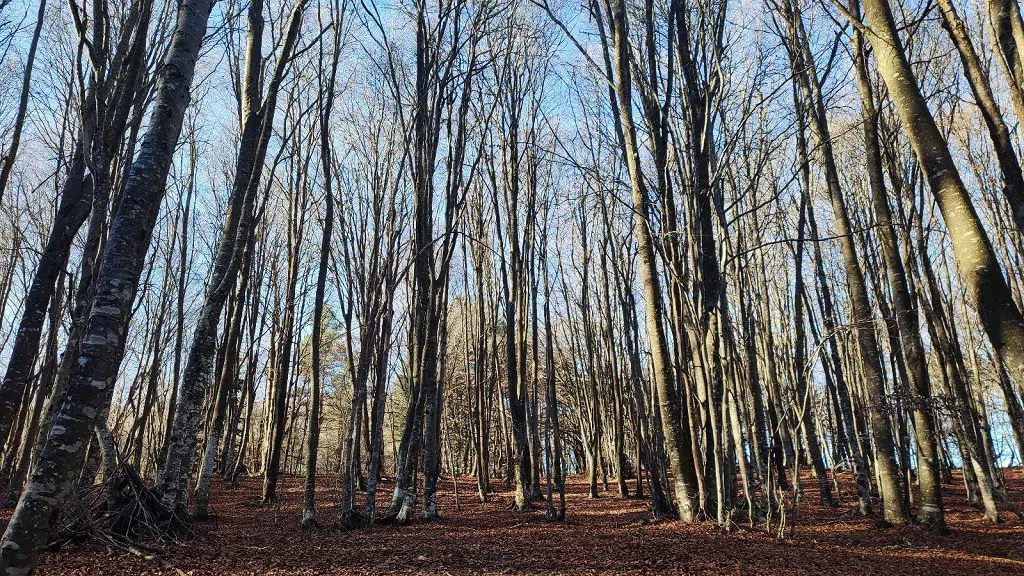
(122,512)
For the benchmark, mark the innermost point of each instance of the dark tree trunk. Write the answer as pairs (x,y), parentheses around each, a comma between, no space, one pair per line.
(92,377)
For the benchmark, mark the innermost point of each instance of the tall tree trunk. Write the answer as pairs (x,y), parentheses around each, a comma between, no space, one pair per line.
(46,378)
(227,382)
(862,316)
(75,203)
(552,428)
(235,237)
(676,432)
(382,353)
(976,260)
(285,364)
(179,330)
(930,512)
(91,379)
(804,396)
(326,159)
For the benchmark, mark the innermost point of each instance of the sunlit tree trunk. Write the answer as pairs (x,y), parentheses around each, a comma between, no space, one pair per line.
(257,126)
(976,260)
(676,433)
(862,316)
(930,511)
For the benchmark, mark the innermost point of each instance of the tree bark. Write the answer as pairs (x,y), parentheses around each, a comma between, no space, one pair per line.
(235,237)
(986,285)
(676,433)
(99,356)
(930,510)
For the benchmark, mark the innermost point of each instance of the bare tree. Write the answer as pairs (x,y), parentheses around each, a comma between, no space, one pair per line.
(91,380)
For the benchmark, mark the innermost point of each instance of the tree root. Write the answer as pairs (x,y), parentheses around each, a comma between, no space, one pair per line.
(522,509)
(355,520)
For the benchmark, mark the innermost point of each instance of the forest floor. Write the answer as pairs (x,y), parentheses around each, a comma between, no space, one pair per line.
(606,535)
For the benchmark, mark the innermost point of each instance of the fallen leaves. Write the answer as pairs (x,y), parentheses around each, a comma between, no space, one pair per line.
(605,535)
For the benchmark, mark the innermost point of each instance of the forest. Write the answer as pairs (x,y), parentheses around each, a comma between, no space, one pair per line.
(511,286)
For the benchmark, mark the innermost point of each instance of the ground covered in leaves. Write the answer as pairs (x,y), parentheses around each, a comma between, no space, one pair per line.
(606,535)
